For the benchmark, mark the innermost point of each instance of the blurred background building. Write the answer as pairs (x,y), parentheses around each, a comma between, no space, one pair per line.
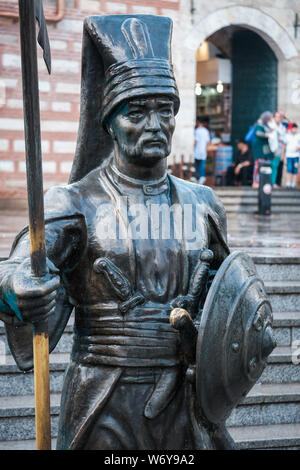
(232,62)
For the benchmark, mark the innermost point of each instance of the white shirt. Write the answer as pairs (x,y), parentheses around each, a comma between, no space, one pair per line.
(277,137)
(292,143)
(202,138)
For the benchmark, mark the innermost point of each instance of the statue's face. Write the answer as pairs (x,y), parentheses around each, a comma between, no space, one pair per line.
(143,129)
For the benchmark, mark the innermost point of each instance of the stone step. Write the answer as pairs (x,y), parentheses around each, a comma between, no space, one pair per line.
(284,248)
(248,191)
(282,194)
(17,417)
(273,393)
(286,327)
(282,287)
(250,200)
(23,427)
(285,269)
(276,436)
(286,319)
(264,404)
(281,355)
(13,406)
(253,208)
(257,414)
(285,336)
(26,444)
(283,295)
(283,366)
(15,382)
(275,259)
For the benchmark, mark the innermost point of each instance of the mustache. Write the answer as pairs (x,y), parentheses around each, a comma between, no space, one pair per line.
(161,139)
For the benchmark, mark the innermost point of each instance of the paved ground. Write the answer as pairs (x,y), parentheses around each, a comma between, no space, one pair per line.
(276,235)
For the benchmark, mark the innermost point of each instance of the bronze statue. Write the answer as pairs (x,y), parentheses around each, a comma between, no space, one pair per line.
(127,244)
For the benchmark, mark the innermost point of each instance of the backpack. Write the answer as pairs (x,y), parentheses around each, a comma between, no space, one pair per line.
(250,134)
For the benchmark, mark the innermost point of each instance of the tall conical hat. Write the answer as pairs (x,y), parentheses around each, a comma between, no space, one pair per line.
(123,57)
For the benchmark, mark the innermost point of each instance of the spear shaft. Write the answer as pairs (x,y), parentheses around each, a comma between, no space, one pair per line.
(36,213)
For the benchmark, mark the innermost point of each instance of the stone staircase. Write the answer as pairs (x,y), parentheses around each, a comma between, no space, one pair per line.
(269,416)
(245,199)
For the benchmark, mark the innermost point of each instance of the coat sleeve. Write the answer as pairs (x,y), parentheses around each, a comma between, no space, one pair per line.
(66,242)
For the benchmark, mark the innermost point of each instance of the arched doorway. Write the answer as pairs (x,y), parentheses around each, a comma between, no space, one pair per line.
(251,18)
(236,81)
(254,81)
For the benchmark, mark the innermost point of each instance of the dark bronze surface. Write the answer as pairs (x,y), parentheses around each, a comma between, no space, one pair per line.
(132,380)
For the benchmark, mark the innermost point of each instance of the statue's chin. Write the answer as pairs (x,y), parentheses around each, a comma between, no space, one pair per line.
(150,159)
(153,153)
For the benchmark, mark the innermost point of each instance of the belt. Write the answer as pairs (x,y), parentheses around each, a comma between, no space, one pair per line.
(142,338)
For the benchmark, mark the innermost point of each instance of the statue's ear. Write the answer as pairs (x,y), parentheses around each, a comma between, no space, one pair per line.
(110,130)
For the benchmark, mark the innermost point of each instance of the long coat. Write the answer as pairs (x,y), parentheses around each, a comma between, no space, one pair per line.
(73,214)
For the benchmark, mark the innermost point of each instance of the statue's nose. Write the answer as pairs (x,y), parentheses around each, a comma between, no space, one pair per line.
(269,342)
(153,124)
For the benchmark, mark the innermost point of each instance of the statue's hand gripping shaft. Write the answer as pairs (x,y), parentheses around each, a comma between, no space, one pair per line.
(198,283)
(32,298)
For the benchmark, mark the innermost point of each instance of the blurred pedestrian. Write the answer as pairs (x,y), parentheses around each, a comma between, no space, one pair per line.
(276,142)
(241,171)
(292,153)
(202,139)
(260,144)
(285,122)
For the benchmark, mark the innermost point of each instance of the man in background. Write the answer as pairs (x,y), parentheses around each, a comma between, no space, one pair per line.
(202,138)
(241,170)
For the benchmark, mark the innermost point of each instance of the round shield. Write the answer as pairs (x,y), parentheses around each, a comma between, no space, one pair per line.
(235,337)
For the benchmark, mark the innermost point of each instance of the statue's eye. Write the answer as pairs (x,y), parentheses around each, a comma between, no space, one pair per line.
(165,112)
(136,114)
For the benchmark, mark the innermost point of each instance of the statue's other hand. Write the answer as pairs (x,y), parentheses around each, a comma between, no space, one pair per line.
(187,302)
(34,297)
